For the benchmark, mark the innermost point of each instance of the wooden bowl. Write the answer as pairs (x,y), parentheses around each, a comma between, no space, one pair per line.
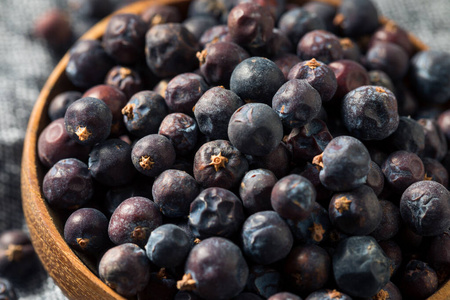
(76,277)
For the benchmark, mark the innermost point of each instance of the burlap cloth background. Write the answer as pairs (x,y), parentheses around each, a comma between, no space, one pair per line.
(25,63)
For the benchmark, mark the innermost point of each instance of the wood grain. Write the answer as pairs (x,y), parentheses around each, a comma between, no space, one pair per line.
(76,279)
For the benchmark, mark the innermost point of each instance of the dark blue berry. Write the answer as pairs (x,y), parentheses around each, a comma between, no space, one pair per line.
(183,91)
(307,268)
(144,112)
(216,212)
(124,38)
(357,212)
(360,266)
(266,238)
(370,112)
(88,63)
(68,184)
(250,24)
(355,18)
(86,230)
(218,163)
(425,208)
(110,163)
(256,79)
(218,60)
(133,221)
(255,190)
(173,191)
(125,268)
(345,164)
(264,280)
(430,75)
(255,129)
(153,154)
(213,111)
(296,102)
(293,197)
(168,246)
(54,144)
(170,49)
(318,74)
(296,22)
(181,130)
(88,121)
(215,270)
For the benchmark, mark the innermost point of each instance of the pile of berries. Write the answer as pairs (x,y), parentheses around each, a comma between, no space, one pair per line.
(254,150)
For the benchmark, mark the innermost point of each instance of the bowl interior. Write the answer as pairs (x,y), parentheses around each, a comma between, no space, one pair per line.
(75,273)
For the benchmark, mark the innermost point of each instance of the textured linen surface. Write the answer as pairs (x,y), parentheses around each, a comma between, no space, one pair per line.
(25,63)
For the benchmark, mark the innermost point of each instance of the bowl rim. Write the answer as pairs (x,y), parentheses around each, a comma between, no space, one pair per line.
(80,282)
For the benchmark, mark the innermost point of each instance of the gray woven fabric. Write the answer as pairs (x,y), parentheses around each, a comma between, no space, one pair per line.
(25,63)
(428,20)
